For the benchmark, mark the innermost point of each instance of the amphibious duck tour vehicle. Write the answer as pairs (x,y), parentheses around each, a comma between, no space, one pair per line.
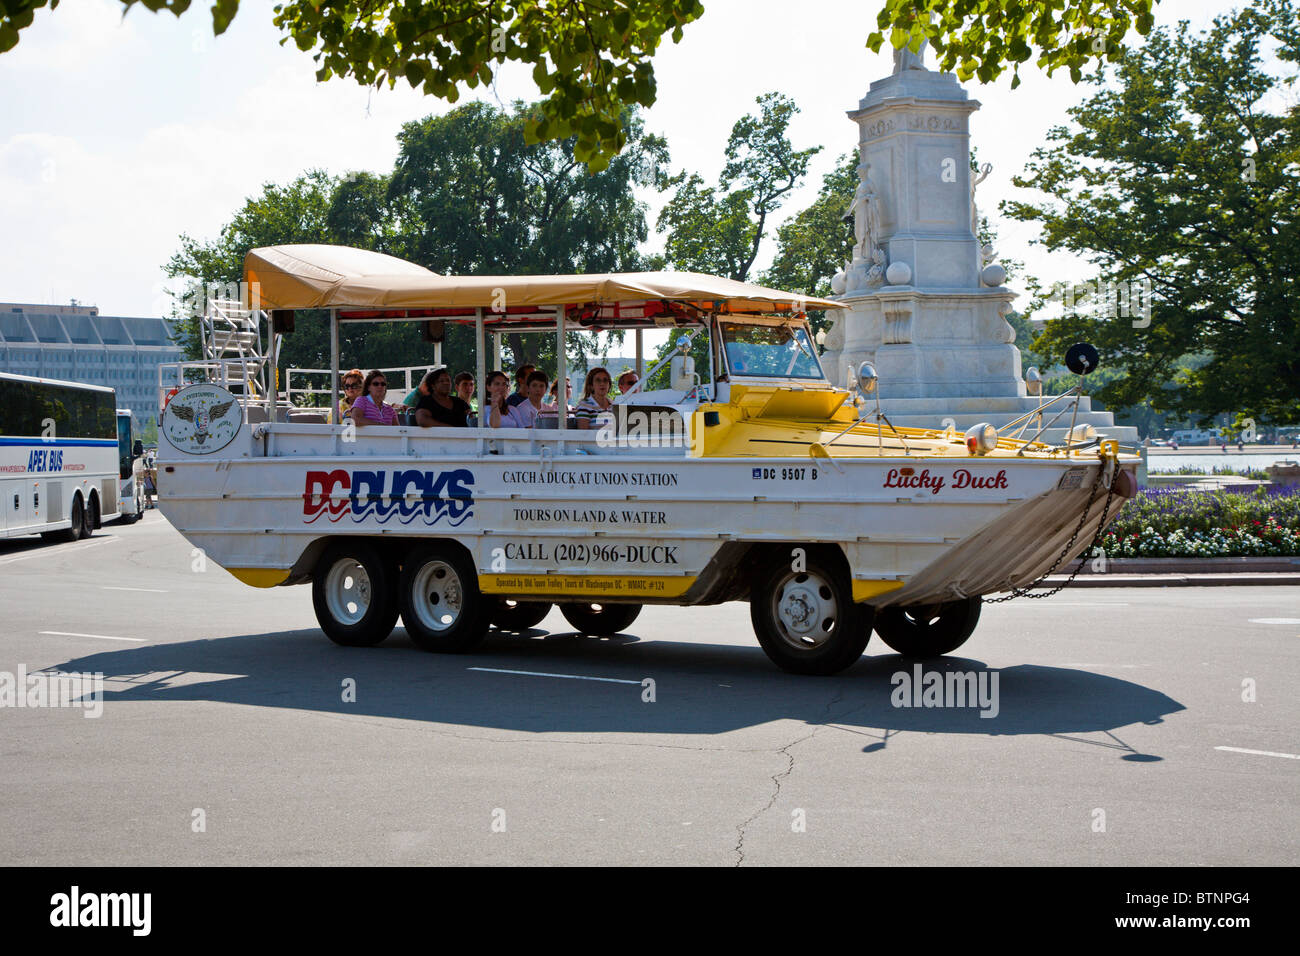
(748,477)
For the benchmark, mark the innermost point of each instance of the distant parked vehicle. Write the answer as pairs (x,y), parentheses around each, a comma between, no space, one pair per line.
(59,465)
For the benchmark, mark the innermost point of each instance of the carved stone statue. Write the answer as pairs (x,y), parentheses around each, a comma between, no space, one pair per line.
(974,210)
(905,59)
(866,216)
(876,274)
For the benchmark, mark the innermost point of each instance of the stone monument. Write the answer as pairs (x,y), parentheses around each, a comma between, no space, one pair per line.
(926,303)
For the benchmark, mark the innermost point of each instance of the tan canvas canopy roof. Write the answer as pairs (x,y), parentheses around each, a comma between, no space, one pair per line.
(340,277)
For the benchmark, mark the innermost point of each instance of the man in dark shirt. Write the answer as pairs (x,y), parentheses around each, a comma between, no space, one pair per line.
(439,406)
(520,394)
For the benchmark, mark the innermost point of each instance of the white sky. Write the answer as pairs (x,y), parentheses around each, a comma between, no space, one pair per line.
(119,134)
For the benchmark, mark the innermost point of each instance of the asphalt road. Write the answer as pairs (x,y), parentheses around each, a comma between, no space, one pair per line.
(225,737)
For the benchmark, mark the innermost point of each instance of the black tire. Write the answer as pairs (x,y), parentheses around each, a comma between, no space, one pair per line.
(91,517)
(519,615)
(442,607)
(78,529)
(805,620)
(353,590)
(600,620)
(928,631)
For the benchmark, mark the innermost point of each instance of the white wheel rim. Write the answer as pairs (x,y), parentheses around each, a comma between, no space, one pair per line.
(805,610)
(347,591)
(437,596)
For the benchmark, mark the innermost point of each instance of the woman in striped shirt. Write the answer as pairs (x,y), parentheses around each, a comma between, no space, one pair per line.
(370,408)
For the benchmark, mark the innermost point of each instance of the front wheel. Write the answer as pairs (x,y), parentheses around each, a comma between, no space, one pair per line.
(352,590)
(806,620)
(928,630)
(519,615)
(602,620)
(442,607)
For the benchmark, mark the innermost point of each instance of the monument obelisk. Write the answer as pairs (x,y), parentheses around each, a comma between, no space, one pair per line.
(926,304)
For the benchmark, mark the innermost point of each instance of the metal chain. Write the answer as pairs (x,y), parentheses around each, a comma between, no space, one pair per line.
(1026,592)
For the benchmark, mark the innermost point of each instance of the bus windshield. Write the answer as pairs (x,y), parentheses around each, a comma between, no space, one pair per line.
(770,351)
(124,445)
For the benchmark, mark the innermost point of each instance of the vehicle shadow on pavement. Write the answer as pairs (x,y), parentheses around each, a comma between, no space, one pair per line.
(697,688)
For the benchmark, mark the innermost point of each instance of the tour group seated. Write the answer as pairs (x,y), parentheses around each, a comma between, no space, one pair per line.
(444,400)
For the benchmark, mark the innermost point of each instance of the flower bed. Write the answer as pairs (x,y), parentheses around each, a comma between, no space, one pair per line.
(1172,523)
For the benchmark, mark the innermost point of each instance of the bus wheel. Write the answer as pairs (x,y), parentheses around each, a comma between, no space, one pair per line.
(92,516)
(806,620)
(928,630)
(602,620)
(352,591)
(442,607)
(519,615)
(77,520)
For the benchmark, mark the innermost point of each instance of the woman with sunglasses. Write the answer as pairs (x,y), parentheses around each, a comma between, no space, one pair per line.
(370,408)
(595,406)
(351,392)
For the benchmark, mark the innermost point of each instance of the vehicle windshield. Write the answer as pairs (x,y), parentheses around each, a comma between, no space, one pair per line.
(770,351)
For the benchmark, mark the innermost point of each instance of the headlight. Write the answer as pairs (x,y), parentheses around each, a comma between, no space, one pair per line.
(867,378)
(1033,381)
(981,439)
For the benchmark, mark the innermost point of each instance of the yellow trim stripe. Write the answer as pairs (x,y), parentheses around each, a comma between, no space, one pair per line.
(586,585)
(865,590)
(260,577)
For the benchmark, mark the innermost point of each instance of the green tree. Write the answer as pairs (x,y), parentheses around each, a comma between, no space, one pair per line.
(593,60)
(1179,175)
(815,242)
(719,230)
(468,195)
(980,37)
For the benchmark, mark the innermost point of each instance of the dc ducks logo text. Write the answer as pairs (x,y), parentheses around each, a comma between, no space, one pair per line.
(406,493)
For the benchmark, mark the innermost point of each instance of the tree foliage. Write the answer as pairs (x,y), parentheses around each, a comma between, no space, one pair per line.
(981,37)
(468,195)
(719,229)
(593,60)
(815,242)
(1178,174)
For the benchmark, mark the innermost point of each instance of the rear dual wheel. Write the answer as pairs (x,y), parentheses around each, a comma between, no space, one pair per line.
(928,630)
(805,618)
(442,607)
(519,615)
(602,620)
(354,593)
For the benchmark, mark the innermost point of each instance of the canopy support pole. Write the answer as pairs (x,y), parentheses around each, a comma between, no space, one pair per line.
(496,350)
(561,376)
(480,345)
(334,368)
(640,354)
(437,353)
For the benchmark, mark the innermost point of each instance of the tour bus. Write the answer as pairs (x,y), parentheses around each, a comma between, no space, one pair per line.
(130,456)
(59,463)
(745,476)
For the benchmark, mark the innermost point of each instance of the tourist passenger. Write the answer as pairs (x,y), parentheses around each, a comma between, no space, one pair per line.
(352,390)
(498,385)
(520,393)
(440,407)
(552,401)
(463,385)
(626,381)
(595,400)
(524,415)
(370,408)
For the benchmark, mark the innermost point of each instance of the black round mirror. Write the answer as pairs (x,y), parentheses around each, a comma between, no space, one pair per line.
(1081,358)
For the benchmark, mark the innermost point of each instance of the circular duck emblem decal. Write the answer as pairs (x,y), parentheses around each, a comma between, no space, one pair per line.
(202,419)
